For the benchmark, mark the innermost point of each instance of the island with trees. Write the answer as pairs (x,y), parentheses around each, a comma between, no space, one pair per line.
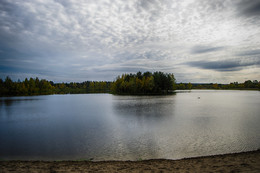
(144,83)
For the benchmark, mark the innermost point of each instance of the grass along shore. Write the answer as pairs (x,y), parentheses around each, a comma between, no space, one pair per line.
(235,162)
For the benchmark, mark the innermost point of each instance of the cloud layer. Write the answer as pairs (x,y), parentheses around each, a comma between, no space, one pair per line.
(63,40)
(225,65)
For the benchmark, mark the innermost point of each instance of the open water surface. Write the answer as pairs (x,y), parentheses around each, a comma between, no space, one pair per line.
(110,127)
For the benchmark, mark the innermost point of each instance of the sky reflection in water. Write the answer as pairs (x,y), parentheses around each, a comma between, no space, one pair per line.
(108,127)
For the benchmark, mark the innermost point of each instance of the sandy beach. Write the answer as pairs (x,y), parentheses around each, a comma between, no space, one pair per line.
(237,162)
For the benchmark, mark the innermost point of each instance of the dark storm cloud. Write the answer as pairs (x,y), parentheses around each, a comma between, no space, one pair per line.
(249,7)
(224,65)
(204,49)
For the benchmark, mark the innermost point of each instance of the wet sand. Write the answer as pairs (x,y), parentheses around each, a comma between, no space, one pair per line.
(238,162)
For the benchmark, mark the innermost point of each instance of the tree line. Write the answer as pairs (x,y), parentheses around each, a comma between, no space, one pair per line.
(35,86)
(247,85)
(138,84)
(144,83)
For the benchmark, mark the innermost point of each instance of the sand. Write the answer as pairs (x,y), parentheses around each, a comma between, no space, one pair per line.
(239,162)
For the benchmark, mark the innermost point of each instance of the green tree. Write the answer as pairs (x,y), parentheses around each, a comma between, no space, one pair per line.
(189,86)
(92,86)
(215,86)
(181,86)
(248,84)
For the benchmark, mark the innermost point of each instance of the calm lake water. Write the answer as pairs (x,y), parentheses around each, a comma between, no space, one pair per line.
(109,127)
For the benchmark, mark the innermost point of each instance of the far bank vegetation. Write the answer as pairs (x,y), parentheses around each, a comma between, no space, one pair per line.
(134,84)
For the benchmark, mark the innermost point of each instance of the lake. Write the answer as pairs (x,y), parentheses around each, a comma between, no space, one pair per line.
(109,127)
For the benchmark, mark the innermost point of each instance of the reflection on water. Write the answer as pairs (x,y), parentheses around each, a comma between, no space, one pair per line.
(8,101)
(108,127)
(156,106)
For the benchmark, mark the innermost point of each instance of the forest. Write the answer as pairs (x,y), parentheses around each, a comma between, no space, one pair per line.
(247,85)
(35,86)
(146,83)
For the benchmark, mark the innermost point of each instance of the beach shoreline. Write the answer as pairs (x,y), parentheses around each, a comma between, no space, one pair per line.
(234,162)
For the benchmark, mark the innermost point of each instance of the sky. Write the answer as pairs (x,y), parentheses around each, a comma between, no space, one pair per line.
(200,41)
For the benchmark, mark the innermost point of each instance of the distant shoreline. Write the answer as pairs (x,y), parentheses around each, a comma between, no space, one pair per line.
(234,162)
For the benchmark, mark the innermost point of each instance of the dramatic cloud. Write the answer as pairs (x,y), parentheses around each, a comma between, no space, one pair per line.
(250,53)
(225,65)
(201,49)
(64,40)
(250,7)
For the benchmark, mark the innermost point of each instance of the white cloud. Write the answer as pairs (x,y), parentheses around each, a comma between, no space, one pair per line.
(95,39)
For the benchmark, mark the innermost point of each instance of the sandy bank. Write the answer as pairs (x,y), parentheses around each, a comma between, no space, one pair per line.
(239,162)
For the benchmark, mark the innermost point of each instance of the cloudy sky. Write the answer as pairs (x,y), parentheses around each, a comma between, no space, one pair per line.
(66,40)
